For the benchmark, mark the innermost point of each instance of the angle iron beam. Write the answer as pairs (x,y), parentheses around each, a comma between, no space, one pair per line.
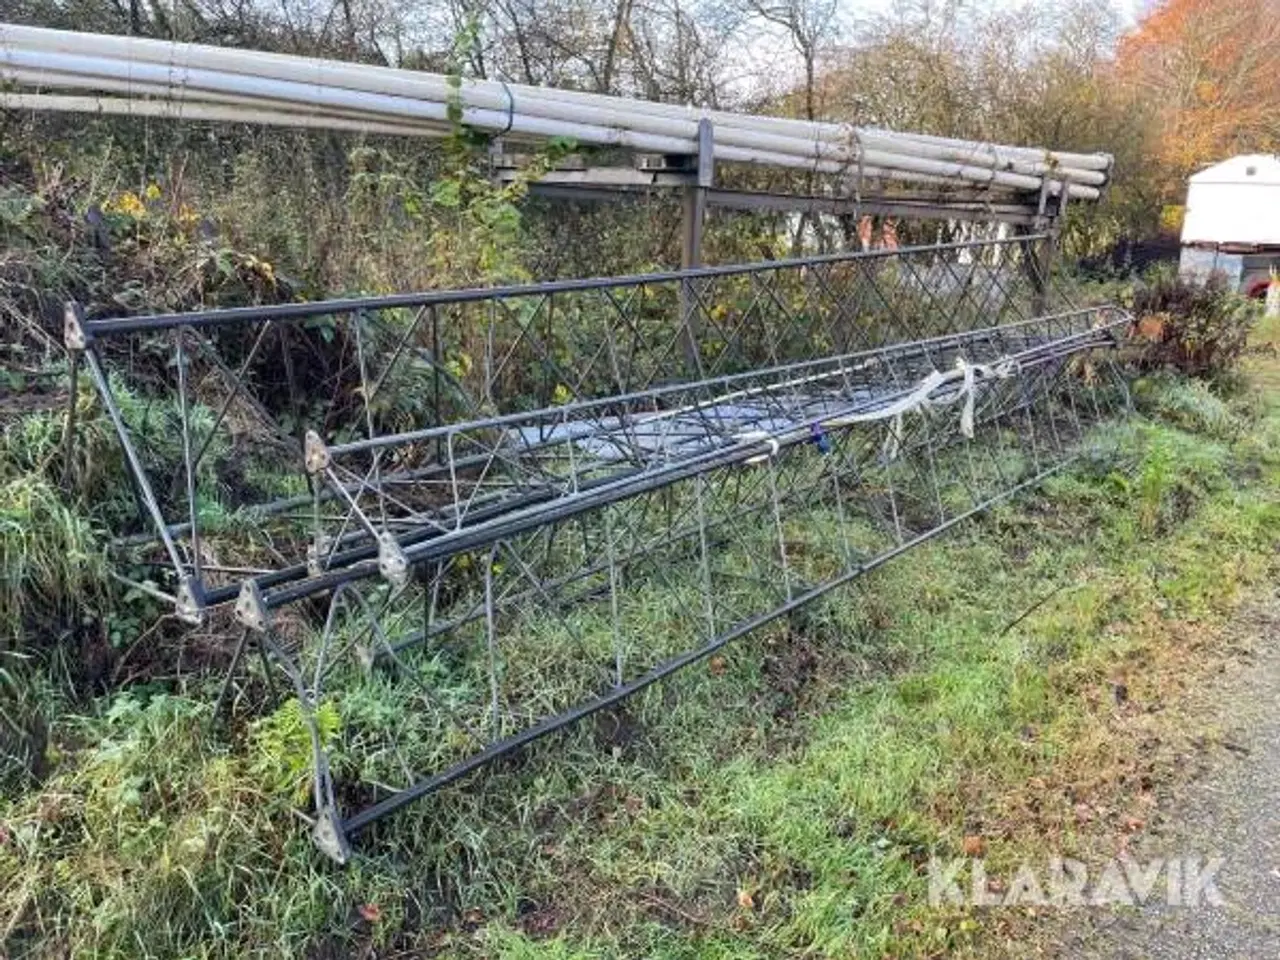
(301,311)
(599,191)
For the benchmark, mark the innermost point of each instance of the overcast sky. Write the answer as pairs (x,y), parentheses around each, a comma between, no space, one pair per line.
(765,62)
(1129,10)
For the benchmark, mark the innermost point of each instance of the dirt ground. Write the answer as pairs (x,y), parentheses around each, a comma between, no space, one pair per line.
(1222,801)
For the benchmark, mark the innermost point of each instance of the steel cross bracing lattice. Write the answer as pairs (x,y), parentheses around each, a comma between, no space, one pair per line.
(521,505)
(509,350)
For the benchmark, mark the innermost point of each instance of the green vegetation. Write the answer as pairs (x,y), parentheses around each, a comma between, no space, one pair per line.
(1199,329)
(781,799)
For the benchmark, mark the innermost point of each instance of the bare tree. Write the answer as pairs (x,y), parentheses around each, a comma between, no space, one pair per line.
(812,28)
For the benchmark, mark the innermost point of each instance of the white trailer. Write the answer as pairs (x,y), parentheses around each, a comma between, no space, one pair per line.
(1232,222)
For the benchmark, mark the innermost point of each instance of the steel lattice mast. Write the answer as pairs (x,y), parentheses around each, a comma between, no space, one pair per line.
(492,493)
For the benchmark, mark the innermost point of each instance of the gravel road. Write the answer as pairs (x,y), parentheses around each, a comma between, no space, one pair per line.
(1232,812)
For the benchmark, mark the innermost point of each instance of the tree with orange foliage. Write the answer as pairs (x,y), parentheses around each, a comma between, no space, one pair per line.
(1211,70)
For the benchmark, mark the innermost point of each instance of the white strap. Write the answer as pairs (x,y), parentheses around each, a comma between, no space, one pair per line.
(921,399)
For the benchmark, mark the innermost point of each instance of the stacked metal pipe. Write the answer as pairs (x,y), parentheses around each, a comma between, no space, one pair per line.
(155,78)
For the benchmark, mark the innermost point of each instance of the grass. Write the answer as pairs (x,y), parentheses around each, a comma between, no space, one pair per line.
(779,800)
